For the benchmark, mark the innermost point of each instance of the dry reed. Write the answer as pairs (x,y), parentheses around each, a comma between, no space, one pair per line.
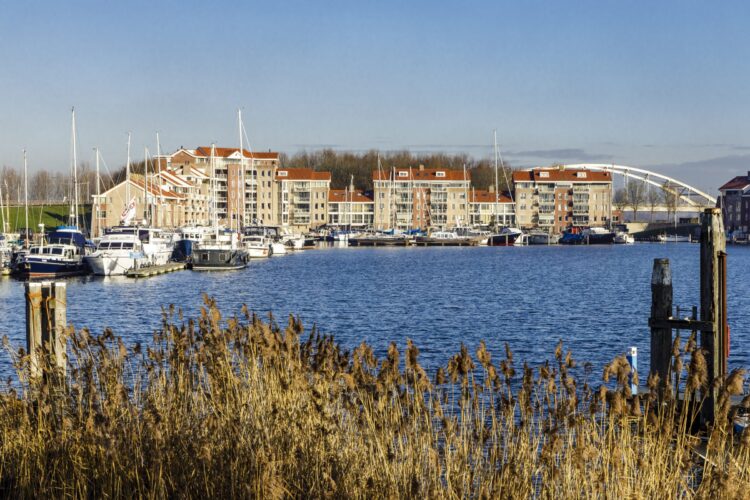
(240,407)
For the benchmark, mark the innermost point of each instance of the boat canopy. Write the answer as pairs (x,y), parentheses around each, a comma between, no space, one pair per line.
(64,236)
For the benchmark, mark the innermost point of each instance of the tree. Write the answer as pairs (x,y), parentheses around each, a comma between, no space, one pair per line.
(671,198)
(653,197)
(636,195)
(620,199)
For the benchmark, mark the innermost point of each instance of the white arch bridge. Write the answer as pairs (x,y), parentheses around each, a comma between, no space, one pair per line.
(693,198)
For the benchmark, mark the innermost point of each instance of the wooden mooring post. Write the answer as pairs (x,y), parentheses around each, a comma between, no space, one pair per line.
(46,322)
(714,338)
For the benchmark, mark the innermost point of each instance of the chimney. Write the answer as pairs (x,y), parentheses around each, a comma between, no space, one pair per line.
(421,168)
(491,189)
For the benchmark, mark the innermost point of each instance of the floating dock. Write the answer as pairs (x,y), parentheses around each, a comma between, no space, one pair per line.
(147,271)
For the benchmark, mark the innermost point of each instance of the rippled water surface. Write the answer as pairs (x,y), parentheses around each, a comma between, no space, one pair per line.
(596,299)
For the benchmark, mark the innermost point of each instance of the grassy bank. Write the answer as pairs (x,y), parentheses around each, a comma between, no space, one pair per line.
(242,407)
(49,215)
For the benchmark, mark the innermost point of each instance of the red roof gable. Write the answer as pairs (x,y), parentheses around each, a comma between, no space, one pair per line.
(343,196)
(482,196)
(558,175)
(302,174)
(205,151)
(739,182)
(427,174)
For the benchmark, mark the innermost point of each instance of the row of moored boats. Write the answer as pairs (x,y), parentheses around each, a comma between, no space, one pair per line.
(67,252)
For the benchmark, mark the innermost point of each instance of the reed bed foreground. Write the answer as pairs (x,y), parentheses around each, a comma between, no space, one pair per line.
(240,407)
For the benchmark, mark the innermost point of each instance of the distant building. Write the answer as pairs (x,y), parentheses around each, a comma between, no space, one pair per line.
(487,209)
(244,188)
(350,208)
(734,201)
(302,197)
(420,198)
(164,207)
(554,199)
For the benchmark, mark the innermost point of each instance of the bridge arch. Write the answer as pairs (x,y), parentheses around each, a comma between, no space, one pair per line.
(690,195)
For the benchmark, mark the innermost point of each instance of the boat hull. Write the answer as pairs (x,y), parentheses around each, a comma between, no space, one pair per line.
(112,265)
(33,268)
(426,241)
(217,260)
(502,240)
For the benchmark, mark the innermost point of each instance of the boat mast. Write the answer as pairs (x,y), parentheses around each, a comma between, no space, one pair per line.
(74,200)
(497,186)
(161,193)
(241,189)
(213,173)
(505,176)
(95,220)
(145,184)
(26,198)
(127,176)
(466,197)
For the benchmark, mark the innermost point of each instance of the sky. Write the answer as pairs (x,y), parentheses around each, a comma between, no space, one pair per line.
(657,85)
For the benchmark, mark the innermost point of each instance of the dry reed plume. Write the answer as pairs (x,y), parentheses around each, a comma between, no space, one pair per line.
(240,407)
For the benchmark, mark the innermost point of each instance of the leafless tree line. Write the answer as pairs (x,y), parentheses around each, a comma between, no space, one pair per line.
(636,195)
(49,187)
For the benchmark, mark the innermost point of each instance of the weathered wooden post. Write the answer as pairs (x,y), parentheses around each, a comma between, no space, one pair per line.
(713,305)
(46,321)
(33,325)
(661,309)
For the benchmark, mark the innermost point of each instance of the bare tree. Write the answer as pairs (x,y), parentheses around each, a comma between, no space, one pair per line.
(653,197)
(620,199)
(636,195)
(671,198)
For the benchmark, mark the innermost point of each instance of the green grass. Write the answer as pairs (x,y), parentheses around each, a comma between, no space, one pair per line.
(51,216)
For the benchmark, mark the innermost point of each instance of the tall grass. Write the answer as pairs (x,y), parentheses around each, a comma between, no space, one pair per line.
(240,407)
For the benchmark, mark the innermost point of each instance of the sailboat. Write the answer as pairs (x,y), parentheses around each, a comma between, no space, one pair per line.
(508,236)
(63,254)
(222,249)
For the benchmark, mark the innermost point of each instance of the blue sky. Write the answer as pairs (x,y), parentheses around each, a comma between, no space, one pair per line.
(660,85)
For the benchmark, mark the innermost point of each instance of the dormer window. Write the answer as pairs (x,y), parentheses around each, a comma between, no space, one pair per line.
(403,174)
(282,173)
(440,174)
(544,174)
(581,175)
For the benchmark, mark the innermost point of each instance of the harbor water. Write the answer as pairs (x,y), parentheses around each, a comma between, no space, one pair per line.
(596,299)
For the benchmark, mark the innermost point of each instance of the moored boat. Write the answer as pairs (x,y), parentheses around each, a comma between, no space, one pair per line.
(61,255)
(445,239)
(506,237)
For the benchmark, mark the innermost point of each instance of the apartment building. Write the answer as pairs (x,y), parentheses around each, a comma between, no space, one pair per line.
(554,199)
(734,201)
(243,182)
(352,208)
(302,197)
(161,207)
(486,209)
(411,198)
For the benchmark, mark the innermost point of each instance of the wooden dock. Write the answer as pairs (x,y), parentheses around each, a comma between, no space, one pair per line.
(145,272)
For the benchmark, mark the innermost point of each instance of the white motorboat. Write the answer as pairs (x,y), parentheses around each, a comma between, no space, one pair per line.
(624,238)
(256,246)
(117,253)
(123,248)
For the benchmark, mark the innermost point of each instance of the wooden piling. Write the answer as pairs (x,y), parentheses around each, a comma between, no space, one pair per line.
(33,325)
(661,309)
(713,311)
(46,323)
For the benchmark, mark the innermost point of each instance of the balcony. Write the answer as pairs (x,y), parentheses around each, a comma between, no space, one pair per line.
(549,208)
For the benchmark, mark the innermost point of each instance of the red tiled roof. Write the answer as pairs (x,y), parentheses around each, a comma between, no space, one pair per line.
(302,174)
(558,175)
(156,190)
(427,174)
(739,182)
(342,196)
(205,151)
(482,196)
